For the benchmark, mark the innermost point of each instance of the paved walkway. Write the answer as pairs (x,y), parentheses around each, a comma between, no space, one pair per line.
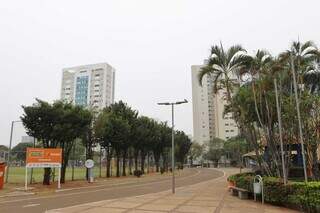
(210,196)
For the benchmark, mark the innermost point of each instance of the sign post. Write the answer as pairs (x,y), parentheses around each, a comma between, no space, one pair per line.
(43,158)
(89,164)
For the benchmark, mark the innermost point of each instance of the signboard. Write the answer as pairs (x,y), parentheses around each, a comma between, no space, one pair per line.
(42,158)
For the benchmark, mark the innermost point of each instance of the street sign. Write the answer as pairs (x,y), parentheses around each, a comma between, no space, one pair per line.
(89,164)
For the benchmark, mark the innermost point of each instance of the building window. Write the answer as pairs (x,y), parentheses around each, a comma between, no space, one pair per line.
(81,93)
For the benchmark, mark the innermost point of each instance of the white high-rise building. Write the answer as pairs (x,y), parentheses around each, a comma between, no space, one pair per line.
(209,120)
(89,85)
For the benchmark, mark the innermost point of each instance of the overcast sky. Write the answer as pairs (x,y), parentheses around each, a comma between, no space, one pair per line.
(151,43)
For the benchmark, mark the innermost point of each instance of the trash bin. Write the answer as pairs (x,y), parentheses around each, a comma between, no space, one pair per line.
(2,169)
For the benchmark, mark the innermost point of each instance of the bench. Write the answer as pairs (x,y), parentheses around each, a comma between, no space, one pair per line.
(241,193)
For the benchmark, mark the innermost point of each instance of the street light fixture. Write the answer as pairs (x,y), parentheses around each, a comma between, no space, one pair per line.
(172,148)
(10,147)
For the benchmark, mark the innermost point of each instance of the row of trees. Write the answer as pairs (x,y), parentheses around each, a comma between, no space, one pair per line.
(130,137)
(264,92)
(118,129)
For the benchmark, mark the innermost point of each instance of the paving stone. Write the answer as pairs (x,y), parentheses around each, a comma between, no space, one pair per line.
(104,210)
(120,204)
(196,209)
(157,207)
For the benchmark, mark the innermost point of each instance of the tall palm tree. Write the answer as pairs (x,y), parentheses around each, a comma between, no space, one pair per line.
(302,53)
(311,77)
(298,58)
(305,58)
(224,67)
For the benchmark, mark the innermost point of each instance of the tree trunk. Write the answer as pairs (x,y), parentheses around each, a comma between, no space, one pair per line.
(118,165)
(130,165)
(46,176)
(136,161)
(143,157)
(108,167)
(108,163)
(63,173)
(124,159)
(148,163)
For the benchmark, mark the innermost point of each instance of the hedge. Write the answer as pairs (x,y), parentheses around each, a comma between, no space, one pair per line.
(306,197)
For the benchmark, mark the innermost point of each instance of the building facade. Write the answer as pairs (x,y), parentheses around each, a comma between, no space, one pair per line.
(209,120)
(90,86)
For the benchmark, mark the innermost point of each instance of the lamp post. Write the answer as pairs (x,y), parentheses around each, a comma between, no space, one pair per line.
(10,147)
(172,144)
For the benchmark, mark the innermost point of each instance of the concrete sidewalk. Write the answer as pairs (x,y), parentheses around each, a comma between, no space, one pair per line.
(210,196)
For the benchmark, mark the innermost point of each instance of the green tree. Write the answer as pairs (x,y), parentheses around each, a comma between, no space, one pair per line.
(225,67)
(40,120)
(20,150)
(196,151)
(214,150)
(56,125)
(115,130)
(182,147)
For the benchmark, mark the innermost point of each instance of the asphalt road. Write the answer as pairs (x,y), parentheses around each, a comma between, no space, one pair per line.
(41,203)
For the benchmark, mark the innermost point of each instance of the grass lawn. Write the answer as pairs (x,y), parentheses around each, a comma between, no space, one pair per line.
(16,174)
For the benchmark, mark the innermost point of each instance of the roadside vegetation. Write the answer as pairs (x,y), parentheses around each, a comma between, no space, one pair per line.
(132,140)
(275,101)
(252,83)
(297,195)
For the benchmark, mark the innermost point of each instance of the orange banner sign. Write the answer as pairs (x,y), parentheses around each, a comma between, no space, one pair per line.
(39,157)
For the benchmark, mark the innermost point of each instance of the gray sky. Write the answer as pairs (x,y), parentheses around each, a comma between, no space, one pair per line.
(151,43)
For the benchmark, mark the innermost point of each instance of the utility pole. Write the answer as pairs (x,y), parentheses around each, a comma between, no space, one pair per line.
(9,151)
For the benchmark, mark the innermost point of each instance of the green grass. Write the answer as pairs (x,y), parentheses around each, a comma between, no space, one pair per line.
(17,174)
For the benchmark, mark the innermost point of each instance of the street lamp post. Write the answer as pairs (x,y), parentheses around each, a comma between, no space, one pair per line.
(172,144)
(10,147)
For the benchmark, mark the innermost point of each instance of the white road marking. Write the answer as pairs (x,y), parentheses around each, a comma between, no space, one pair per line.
(31,205)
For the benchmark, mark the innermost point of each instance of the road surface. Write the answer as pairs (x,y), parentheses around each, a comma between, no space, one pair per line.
(41,203)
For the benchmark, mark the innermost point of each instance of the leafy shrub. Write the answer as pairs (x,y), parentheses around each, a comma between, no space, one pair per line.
(137,173)
(275,191)
(294,194)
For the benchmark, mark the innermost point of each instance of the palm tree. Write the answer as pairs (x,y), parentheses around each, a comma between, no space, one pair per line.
(302,53)
(298,58)
(224,67)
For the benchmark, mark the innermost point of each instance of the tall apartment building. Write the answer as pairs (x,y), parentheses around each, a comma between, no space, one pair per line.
(89,85)
(209,120)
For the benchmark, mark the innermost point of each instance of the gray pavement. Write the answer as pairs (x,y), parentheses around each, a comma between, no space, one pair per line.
(210,196)
(100,192)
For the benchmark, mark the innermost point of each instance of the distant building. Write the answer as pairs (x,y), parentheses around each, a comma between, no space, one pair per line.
(209,120)
(27,139)
(91,85)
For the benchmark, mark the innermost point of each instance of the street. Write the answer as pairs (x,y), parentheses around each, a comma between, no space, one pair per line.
(36,203)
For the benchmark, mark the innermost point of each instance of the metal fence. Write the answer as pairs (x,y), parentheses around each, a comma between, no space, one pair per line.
(75,169)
